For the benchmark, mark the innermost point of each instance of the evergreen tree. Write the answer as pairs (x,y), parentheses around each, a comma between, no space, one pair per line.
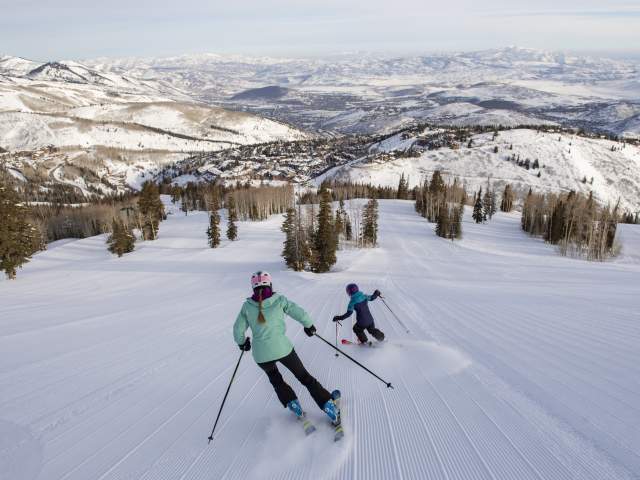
(213,232)
(348,229)
(403,188)
(151,210)
(294,249)
(232,229)
(435,197)
(449,222)
(489,204)
(19,239)
(122,240)
(324,239)
(370,223)
(478,214)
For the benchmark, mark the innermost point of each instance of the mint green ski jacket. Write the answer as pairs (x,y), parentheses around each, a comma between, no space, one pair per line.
(269,341)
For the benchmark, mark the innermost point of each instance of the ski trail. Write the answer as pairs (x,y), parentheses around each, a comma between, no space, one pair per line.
(520,364)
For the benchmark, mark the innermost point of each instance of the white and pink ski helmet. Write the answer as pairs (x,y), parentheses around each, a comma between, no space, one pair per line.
(260,279)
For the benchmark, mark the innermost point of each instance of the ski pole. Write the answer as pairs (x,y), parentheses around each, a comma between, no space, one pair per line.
(225,397)
(337,354)
(388,384)
(393,313)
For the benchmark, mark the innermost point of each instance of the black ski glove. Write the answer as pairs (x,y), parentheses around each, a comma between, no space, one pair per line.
(338,318)
(246,346)
(375,295)
(310,331)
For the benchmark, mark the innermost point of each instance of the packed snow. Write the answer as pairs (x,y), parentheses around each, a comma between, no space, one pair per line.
(519,364)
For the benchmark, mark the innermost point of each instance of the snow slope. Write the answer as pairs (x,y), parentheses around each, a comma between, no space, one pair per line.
(520,364)
(565,161)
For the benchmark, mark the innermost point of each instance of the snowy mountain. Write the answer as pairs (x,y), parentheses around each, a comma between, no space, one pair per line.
(371,93)
(138,116)
(108,131)
(519,365)
(16,66)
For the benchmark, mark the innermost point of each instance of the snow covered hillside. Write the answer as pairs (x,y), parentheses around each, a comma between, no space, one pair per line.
(520,364)
(565,161)
(136,125)
(369,93)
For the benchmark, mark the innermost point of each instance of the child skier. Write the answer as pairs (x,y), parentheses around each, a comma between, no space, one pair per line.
(264,314)
(364,319)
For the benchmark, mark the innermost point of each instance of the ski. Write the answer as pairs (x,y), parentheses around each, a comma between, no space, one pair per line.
(307,426)
(338,431)
(344,341)
(295,407)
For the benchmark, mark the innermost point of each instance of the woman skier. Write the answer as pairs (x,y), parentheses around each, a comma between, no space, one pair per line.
(364,319)
(264,314)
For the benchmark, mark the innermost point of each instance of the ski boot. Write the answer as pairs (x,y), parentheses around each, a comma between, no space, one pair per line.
(378,335)
(296,408)
(332,409)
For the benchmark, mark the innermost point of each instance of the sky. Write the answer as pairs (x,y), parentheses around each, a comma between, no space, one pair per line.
(82,29)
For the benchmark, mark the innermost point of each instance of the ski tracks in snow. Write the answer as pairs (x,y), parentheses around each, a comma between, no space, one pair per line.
(509,370)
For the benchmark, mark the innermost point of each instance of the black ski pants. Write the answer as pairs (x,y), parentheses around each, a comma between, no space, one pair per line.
(283,390)
(375,333)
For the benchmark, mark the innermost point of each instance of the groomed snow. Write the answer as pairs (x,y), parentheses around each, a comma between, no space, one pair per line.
(520,364)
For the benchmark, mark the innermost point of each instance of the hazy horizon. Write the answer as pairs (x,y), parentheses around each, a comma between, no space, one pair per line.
(73,29)
(616,55)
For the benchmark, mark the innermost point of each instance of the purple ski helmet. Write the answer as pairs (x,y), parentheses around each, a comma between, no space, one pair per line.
(351,289)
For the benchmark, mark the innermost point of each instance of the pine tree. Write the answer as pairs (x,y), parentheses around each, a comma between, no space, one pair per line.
(19,239)
(232,229)
(403,188)
(488,204)
(370,223)
(122,240)
(294,249)
(478,214)
(324,244)
(435,196)
(348,229)
(213,232)
(151,210)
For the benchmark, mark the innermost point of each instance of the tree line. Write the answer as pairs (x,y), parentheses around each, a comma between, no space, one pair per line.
(575,222)
(251,202)
(311,239)
(20,238)
(442,204)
